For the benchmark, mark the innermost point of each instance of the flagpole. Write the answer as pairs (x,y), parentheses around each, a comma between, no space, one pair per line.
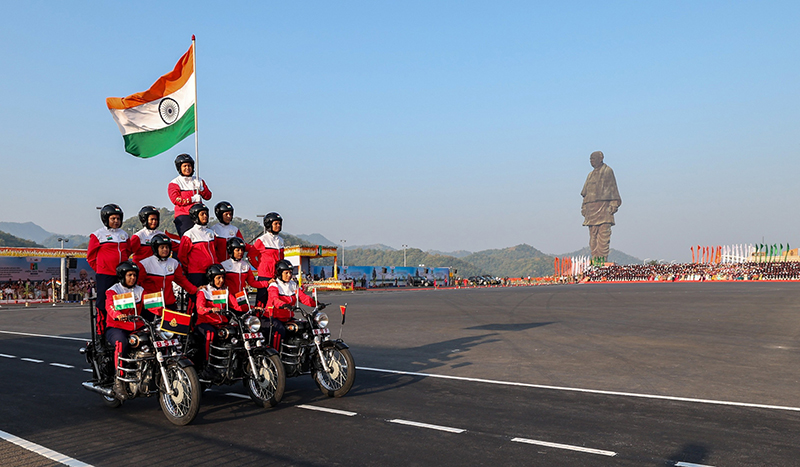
(196,151)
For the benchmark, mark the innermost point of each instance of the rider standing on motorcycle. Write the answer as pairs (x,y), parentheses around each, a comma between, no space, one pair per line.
(160,271)
(268,250)
(108,247)
(184,191)
(238,271)
(197,251)
(208,316)
(224,230)
(283,295)
(118,329)
(150,218)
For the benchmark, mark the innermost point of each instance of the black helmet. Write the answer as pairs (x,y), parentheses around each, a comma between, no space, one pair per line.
(182,159)
(281,266)
(157,241)
(195,210)
(145,214)
(213,271)
(222,206)
(109,210)
(233,243)
(124,268)
(270,218)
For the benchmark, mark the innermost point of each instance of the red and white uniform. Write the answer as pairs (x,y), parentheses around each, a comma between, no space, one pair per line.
(140,242)
(197,251)
(240,274)
(180,191)
(223,233)
(206,306)
(157,275)
(108,248)
(111,313)
(282,294)
(268,251)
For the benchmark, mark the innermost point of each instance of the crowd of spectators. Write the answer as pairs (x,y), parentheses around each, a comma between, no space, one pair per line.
(694,272)
(78,289)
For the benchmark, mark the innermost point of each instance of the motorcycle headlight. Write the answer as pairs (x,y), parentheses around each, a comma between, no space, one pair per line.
(252,323)
(321,319)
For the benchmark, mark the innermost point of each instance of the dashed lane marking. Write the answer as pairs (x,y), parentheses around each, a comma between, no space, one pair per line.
(234,394)
(62,365)
(564,446)
(426,425)
(7,356)
(32,360)
(88,370)
(325,409)
(80,339)
(42,451)
(689,464)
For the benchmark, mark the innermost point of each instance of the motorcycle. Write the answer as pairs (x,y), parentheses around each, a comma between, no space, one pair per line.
(155,365)
(309,349)
(239,352)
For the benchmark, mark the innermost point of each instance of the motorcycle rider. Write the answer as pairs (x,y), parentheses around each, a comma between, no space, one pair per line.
(283,294)
(185,191)
(208,316)
(108,247)
(150,218)
(267,251)
(117,328)
(239,273)
(224,230)
(159,271)
(197,252)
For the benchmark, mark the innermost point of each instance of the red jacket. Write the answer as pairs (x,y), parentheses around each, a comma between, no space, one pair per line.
(283,294)
(206,306)
(140,242)
(157,275)
(197,251)
(239,274)
(223,233)
(180,191)
(108,248)
(112,313)
(268,251)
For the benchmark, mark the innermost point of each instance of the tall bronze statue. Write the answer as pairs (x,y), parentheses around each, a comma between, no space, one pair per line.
(600,201)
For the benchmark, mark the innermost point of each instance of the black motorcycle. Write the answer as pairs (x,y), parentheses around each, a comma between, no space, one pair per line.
(239,353)
(309,348)
(155,365)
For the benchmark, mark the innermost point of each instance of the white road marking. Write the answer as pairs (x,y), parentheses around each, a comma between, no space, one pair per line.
(61,365)
(88,370)
(7,356)
(81,339)
(325,409)
(565,446)
(588,391)
(426,425)
(689,464)
(235,394)
(42,451)
(32,360)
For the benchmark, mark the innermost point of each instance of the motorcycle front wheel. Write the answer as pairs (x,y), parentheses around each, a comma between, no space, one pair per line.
(112,402)
(342,374)
(266,388)
(182,406)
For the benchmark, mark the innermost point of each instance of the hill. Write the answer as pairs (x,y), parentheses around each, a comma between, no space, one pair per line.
(25,230)
(414,257)
(454,254)
(6,239)
(316,239)
(516,261)
(374,246)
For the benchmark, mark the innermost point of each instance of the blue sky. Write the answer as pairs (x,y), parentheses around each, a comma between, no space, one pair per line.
(441,125)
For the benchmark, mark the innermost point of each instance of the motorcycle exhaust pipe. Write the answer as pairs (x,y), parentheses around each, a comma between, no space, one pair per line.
(94,388)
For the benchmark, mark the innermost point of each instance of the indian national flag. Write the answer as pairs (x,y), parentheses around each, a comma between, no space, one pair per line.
(153,301)
(157,119)
(241,297)
(219,297)
(124,301)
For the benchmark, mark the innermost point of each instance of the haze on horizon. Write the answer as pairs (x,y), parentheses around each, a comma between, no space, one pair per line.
(445,126)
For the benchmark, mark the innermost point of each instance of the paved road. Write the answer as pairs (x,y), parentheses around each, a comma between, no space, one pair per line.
(627,374)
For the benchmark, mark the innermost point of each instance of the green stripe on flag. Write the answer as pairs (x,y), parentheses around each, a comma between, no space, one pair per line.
(152,143)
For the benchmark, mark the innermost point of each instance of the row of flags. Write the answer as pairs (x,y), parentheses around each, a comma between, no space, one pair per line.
(571,266)
(740,253)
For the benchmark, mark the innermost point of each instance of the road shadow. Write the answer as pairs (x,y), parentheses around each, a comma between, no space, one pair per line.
(690,453)
(509,326)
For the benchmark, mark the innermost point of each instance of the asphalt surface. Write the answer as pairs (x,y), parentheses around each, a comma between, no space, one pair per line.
(612,374)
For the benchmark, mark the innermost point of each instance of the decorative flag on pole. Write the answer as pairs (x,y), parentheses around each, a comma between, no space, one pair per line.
(343,308)
(124,302)
(174,322)
(153,121)
(241,298)
(219,297)
(153,302)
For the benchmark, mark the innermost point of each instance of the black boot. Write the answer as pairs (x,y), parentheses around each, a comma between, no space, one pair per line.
(119,389)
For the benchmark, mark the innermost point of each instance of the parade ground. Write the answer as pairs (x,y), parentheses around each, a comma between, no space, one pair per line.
(683,374)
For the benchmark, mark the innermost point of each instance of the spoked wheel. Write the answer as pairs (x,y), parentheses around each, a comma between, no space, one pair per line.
(342,374)
(266,389)
(182,406)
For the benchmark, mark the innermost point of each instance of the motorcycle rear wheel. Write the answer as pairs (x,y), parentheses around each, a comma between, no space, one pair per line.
(338,382)
(266,389)
(182,406)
